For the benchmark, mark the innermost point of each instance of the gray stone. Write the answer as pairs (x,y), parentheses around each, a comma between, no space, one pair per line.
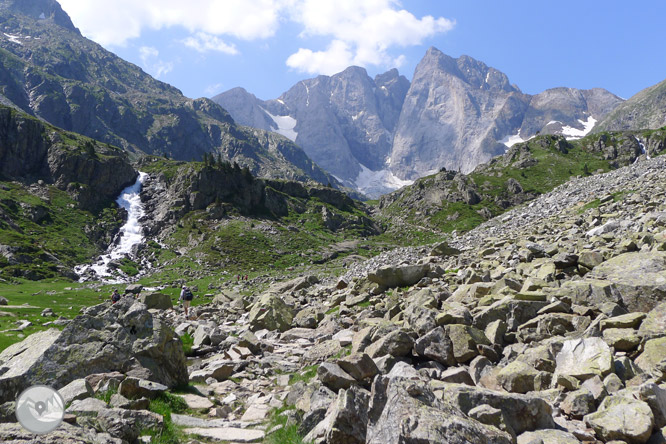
(654,325)
(620,418)
(548,437)
(578,403)
(272,313)
(133,388)
(407,411)
(397,343)
(584,358)
(517,377)
(127,424)
(229,434)
(654,352)
(77,389)
(158,301)
(123,337)
(333,376)
(437,346)
(359,365)
(390,277)
(348,417)
(465,340)
(639,277)
(522,412)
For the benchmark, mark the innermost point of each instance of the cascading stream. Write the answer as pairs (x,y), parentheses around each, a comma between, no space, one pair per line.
(131,233)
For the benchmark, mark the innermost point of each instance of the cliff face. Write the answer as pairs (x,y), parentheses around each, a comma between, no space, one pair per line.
(645,110)
(48,70)
(31,150)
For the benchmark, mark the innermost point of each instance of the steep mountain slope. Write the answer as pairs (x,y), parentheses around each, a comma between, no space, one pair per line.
(56,197)
(344,122)
(647,109)
(49,70)
(378,135)
(459,113)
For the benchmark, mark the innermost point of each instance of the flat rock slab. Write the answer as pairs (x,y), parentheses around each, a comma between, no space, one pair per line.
(192,421)
(228,434)
(196,402)
(256,412)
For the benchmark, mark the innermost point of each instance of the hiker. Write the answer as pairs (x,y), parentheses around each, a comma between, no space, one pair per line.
(115,296)
(186,296)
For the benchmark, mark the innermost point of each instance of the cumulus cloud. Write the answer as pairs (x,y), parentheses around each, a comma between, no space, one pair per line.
(359,32)
(115,22)
(152,64)
(203,42)
(363,32)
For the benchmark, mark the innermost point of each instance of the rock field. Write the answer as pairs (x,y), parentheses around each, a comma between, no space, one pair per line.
(545,325)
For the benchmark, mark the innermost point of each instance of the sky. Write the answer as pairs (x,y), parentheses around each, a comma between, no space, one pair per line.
(205,47)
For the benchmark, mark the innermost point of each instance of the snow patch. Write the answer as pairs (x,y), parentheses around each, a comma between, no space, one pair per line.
(376,183)
(571,133)
(285,125)
(280,101)
(42,16)
(13,38)
(510,141)
(307,91)
(354,117)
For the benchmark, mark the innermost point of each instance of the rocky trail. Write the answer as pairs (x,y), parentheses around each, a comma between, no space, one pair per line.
(545,325)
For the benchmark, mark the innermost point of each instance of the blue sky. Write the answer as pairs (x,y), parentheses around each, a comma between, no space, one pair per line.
(204,47)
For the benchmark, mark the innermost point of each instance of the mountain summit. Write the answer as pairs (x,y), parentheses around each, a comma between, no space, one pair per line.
(379,134)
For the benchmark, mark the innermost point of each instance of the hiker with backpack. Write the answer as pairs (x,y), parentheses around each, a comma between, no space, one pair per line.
(115,296)
(186,296)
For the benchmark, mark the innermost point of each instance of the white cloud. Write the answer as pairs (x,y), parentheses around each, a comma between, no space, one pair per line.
(157,68)
(360,32)
(115,22)
(214,89)
(367,30)
(203,42)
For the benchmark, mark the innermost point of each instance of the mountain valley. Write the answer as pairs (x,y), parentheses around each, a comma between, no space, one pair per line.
(507,283)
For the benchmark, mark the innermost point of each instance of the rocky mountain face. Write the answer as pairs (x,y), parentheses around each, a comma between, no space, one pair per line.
(344,122)
(49,70)
(644,110)
(378,135)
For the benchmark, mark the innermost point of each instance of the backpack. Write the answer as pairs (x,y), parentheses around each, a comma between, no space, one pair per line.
(188,295)
(115,297)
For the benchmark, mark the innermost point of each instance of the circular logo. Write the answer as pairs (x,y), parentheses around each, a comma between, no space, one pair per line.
(40,409)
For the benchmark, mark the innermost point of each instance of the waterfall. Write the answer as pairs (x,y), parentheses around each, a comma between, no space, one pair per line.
(643,149)
(131,233)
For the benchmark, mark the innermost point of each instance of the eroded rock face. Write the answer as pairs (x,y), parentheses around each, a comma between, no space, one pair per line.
(120,337)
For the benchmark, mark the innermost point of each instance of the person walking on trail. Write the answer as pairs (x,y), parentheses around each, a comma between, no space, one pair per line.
(115,296)
(186,296)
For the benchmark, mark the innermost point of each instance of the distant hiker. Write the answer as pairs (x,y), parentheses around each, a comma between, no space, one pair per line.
(115,296)
(186,296)
(246,277)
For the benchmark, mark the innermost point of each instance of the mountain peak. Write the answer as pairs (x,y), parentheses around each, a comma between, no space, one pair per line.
(40,10)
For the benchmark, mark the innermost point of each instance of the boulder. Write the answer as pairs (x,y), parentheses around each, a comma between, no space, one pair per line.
(158,301)
(514,312)
(397,343)
(127,424)
(295,284)
(405,410)
(549,436)
(332,376)
(654,352)
(359,365)
(517,377)
(622,339)
(465,340)
(622,418)
(640,278)
(444,249)
(584,358)
(522,412)
(654,324)
(123,337)
(272,313)
(578,403)
(64,434)
(220,370)
(437,346)
(348,418)
(589,292)
(133,388)
(655,397)
(403,276)
(77,389)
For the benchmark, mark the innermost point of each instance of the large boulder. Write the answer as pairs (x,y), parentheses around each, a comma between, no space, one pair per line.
(590,292)
(159,301)
(272,313)
(514,312)
(465,340)
(654,324)
(640,278)
(437,346)
(404,410)
(523,413)
(123,337)
(346,421)
(622,419)
(390,277)
(584,358)
(654,352)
